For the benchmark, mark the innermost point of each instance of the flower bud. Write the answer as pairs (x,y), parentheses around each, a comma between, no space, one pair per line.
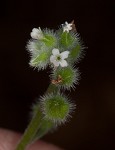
(36,33)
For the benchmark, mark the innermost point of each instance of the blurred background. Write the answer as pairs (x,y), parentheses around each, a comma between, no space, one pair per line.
(93,124)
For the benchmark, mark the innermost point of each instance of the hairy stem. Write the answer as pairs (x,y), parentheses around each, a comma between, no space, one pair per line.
(45,127)
(37,127)
(30,131)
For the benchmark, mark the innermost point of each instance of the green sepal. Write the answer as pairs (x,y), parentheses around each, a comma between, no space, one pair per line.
(41,61)
(75,53)
(49,38)
(67,39)
(35,46)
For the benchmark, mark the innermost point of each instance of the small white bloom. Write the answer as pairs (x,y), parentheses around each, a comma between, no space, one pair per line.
(59,58)
(67,27)
(36,33)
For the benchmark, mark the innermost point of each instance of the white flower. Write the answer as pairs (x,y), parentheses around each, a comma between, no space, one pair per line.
(36,33)
(59,58)
(67,27)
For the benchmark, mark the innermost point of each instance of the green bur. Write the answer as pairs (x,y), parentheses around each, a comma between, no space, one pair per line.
(55,108)
(68,76)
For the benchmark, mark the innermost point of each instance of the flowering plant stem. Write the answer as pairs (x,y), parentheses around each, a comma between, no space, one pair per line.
(30,131)
(59,50)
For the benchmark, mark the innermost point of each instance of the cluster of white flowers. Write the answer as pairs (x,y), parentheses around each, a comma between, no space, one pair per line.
(57,58)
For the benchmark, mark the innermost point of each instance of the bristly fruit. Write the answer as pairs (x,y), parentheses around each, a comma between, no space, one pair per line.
(56,107)
(69,77)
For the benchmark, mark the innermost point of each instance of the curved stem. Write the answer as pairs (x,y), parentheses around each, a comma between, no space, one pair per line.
(45,127)
(30,131)
(37,127)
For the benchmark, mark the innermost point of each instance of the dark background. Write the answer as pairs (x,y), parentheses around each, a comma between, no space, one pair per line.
(93,123)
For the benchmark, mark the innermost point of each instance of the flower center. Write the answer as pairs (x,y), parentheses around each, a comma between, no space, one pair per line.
(58,58)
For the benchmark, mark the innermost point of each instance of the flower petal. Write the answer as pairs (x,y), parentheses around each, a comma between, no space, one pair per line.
(52,58)
(56,63)
(55,51)
(64,54)
(63,63)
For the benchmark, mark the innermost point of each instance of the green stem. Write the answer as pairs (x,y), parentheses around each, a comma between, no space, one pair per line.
(52,88)
(30,131)
(45,127)
(37,127)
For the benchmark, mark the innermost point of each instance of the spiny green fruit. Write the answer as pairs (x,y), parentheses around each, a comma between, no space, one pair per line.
(56,107)
(68,77)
